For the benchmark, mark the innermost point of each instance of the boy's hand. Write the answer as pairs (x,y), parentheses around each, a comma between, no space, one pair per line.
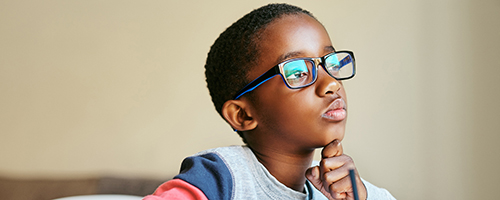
(331,177)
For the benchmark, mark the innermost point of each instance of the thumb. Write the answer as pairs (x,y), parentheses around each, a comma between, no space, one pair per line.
(333,149)
(312,174)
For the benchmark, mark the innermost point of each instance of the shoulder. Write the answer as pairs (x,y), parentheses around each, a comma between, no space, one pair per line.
(224,152)
(211,172)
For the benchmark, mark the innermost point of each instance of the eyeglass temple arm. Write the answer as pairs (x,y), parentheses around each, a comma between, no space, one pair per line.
(345,61)
(255,83)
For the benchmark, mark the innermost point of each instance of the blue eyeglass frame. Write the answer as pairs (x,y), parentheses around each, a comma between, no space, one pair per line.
(277,70)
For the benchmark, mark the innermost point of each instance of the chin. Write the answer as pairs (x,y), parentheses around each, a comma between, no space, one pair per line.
(326,141)
(337,131)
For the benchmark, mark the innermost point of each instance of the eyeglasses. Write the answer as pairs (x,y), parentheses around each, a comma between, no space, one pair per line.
(302,72)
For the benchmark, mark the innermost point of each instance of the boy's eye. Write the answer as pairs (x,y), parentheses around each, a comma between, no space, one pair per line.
(297,75)
(297,72)
(297,78)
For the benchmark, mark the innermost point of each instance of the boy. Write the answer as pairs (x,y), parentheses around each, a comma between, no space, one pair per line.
(281,120)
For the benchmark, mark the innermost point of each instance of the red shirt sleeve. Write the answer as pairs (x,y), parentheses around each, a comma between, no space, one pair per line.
(176,189)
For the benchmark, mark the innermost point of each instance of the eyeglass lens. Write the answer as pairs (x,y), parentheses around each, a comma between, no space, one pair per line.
(298,72)
(302,71)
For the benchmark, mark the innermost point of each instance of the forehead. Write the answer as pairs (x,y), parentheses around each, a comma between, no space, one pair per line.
(290,36)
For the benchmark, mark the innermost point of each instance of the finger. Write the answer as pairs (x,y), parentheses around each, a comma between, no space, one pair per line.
(328,167)
(333,149)
(333,163)
(336,175)
(340,188)
(339,195)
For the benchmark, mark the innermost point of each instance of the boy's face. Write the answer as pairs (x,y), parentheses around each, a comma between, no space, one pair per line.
(309,117)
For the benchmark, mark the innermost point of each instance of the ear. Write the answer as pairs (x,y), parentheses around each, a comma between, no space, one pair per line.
(238,114)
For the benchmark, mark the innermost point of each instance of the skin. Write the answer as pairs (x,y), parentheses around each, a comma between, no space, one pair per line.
(284,126)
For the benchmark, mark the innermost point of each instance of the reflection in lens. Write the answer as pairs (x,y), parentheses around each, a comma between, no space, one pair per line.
(332,65)
(297,72)
(339,65)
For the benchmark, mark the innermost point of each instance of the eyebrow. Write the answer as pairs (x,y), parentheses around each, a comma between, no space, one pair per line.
(297,53)
(329,48)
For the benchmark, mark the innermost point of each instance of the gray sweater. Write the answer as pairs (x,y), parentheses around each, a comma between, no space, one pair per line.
(235,173)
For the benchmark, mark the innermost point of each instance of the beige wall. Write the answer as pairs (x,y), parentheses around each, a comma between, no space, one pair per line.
(117,87)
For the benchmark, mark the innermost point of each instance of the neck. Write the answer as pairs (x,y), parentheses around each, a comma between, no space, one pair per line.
(288,168)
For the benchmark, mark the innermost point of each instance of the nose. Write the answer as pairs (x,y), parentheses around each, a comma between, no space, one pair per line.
(325,84)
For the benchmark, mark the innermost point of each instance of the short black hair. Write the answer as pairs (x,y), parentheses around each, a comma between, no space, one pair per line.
(236,51)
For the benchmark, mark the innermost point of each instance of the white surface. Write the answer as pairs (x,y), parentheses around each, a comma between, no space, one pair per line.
(102,197)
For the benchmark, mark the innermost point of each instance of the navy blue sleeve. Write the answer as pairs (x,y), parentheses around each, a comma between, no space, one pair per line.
(209,173)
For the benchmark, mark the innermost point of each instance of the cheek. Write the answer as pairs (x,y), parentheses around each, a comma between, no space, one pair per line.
(289,112)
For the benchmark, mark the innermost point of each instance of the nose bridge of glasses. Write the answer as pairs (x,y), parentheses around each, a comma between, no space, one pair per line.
(320,62)
(317,62)
(327,76)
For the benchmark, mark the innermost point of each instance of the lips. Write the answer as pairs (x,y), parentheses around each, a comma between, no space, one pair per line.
(336,111)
